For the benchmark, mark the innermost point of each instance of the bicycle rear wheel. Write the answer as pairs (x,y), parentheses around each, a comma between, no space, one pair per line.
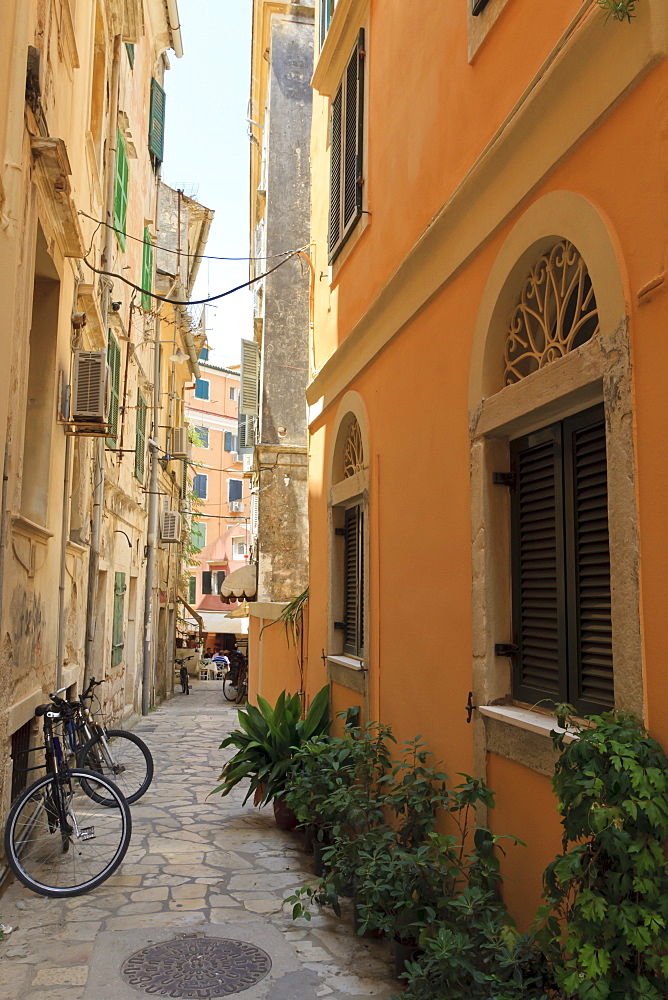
(61,842)
(128,763)
(229,690)
(242,687)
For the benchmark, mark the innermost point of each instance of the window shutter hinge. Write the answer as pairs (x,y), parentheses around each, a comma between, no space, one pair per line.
(340,626)
(506,649)
(508,479)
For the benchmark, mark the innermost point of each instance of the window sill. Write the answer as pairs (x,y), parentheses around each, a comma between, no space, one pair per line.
(24,526)
(350,662)
(524,718)
(522,736)
(348,671)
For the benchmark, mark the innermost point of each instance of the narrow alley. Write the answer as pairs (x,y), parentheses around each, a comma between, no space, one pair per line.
(199,866)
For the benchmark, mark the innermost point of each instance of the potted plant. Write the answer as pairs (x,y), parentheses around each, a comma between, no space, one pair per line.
(266,743)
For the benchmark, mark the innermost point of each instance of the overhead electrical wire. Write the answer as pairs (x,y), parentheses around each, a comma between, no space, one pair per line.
(189,302)
(182,253)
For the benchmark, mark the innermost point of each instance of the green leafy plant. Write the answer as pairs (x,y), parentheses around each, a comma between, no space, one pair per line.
(334,782)
(416,791)
(605,920)
(618,10)
(267,741)
(476,954)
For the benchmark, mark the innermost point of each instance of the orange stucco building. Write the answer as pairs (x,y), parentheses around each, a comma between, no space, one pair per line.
(488,362)
(221,498)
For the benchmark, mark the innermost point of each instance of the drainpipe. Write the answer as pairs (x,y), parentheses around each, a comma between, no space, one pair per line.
(98,496)
(64,535)
(152,538)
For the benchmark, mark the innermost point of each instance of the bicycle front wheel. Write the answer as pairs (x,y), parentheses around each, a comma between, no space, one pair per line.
(125,760)
(229,690)
(61,842)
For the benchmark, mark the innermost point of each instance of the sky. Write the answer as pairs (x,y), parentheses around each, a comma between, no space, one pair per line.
(207,153)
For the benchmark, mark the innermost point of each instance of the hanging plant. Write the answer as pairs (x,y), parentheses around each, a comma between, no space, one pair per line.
(618,10)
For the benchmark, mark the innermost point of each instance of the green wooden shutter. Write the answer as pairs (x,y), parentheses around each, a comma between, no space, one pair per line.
(192,590)
(198,535)
(588,562)
(121,191)
(140,438)
(184,478)
(147,271)
(156,127)
(117,642)
(353,582)
(130,49)
(114,362)
(539,608)
(249,391)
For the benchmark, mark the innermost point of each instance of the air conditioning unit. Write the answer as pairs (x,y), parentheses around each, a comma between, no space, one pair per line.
(236,505)
(171,526)
(90,387)
(180,442)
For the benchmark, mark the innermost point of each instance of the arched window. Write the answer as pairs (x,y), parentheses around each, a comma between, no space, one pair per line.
(349,511)
(555,581)
(353,451)
(556,313)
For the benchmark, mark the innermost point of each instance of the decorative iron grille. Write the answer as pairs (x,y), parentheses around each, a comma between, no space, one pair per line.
(556,313)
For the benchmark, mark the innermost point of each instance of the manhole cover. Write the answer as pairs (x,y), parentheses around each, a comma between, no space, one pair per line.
(196,968)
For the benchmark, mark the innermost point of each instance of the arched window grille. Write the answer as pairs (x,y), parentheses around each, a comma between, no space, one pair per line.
(353,451)
(556,313)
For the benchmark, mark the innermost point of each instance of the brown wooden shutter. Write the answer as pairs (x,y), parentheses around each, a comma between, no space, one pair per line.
(353,584)
(562,619)
(588,561)
(346,151)
(538,583)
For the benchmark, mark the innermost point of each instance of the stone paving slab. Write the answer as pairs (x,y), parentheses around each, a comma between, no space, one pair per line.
(195,865)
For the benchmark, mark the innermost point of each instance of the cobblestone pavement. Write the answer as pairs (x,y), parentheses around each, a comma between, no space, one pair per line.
(196,865)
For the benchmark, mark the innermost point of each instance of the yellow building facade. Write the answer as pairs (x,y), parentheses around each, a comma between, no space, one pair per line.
(82,115)
(487,505)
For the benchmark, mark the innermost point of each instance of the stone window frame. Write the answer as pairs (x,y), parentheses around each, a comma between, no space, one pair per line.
(599,371)
(342,493)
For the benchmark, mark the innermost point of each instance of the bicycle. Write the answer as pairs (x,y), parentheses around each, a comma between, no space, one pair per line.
(183,673)
(235,683)
(117,754)
(60,840)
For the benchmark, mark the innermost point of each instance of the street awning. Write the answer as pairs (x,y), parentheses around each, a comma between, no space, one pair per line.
(217,621)
(241,584)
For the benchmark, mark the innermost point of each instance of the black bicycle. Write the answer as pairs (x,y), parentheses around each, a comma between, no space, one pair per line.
(235,682)
(68,831)
(118,754)
(183,673)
